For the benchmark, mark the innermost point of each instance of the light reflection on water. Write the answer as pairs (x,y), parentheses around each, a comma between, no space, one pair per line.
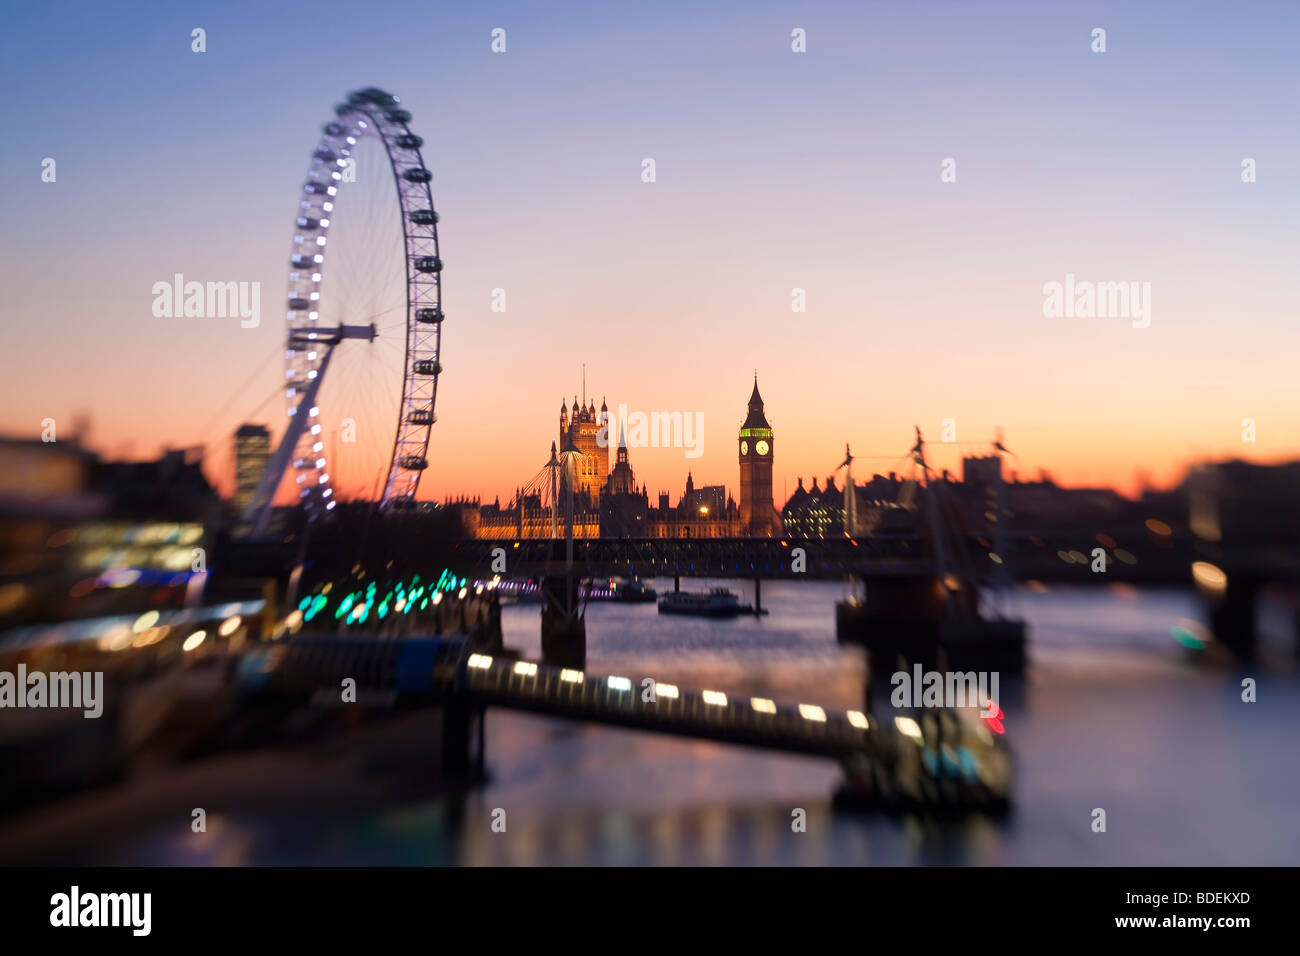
(1113,716)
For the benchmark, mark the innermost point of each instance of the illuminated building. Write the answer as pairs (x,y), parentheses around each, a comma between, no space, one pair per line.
(583,431)
(252,452)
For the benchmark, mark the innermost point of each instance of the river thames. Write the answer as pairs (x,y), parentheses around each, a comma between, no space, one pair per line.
(1113,715)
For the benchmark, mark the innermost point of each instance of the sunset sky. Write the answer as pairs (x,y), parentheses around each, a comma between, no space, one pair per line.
(775,170)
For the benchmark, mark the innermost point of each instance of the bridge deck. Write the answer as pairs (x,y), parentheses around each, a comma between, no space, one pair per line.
(936,758)
(699,557)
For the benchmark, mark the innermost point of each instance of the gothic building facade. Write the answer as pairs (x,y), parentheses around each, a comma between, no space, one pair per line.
(584,430)
(609,503)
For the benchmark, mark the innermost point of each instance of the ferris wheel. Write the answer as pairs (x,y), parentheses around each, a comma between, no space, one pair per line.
(366,211)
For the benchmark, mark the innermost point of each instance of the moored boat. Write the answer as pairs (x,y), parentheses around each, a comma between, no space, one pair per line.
(719,602)
(634,592)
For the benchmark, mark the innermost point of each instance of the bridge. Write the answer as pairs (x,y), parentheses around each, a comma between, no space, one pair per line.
(1037,554)
(935,761)
(700,557)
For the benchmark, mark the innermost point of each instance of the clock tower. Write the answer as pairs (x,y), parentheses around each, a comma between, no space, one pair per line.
(757,515)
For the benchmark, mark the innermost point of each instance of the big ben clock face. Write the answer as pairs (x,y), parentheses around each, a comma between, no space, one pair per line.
(762,447)
(744,448)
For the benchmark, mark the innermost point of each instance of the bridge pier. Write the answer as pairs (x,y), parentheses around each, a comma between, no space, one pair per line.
(464,739)
(1295,649)
(758,595)
(564,630)
(1232,615)
(564,640)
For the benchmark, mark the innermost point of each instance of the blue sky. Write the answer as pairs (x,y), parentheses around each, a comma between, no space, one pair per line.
(775,170)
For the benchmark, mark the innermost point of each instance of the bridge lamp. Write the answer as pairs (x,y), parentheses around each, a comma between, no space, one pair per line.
(618,683)
(715,698)
(858,719)
(480,661)
(666,690)
(909,727)
(572,677)
(763,705)
(1209,578)
(812,712)
(526,668)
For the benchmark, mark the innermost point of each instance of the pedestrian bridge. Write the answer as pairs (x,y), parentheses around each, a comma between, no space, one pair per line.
(918,759)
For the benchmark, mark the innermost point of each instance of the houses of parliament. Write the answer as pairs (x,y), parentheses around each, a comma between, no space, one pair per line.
(609,503)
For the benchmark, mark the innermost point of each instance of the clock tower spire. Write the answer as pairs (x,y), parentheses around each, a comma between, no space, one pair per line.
(757,515)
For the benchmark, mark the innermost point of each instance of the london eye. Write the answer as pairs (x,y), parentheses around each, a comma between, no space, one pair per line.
(364,268)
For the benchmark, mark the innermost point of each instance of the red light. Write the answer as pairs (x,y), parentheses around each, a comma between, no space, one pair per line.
(994,719)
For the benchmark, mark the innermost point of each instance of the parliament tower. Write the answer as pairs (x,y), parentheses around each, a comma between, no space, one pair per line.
(757,514)
(580,431)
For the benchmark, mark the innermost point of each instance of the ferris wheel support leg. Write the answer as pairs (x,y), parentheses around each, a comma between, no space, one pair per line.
(258,512)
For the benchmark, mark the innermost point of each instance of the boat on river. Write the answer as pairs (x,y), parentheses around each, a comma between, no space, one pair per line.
(718,602)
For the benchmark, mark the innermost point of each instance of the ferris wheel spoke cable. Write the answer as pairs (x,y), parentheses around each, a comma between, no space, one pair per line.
(278,350)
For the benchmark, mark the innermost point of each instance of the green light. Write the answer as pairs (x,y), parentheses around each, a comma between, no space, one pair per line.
(319,602)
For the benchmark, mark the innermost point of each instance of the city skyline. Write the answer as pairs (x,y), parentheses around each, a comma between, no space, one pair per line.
(922,495)
(924,298)
(671,465)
